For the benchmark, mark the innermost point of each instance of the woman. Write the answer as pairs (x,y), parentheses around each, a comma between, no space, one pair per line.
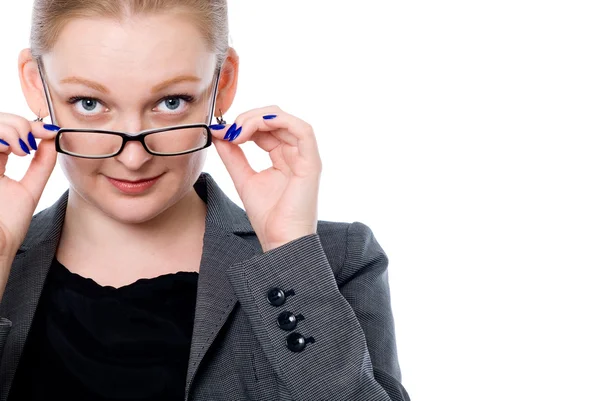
(144,281)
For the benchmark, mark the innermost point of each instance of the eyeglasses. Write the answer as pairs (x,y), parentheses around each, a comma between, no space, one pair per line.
(101,144)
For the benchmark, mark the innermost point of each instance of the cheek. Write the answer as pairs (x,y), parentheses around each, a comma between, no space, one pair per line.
(191,166)
(75,168)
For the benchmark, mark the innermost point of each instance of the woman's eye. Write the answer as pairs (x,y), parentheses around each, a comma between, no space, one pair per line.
(172,104)
(87,106)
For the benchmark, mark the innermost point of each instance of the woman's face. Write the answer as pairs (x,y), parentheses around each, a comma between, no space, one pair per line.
(141,73)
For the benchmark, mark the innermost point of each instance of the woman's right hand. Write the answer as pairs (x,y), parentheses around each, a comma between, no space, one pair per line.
(18,199)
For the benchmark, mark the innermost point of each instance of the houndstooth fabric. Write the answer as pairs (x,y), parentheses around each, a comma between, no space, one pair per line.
(238,351)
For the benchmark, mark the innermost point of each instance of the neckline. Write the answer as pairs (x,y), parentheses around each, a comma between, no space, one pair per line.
(66,276)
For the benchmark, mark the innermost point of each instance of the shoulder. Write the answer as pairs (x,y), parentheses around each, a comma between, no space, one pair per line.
(350,247)
(45,226)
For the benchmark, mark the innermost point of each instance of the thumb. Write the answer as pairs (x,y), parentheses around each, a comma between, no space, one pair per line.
(235,162)
(39,170)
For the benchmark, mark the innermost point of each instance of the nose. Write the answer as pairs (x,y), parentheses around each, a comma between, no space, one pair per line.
(133,156)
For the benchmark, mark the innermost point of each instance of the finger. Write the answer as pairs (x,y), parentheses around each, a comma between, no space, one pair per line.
(20,134)
(219,131)
(42,130)
(284,126)
(24,127)
(225,132)
(251,125)
(266,141)
(303,132)
(249,122)
(10,136)
(235,162)
(20,124)
(260,111)
(40,169)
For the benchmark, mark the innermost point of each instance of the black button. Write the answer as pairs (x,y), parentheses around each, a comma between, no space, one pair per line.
(287,321)
(296,342)
(276,296)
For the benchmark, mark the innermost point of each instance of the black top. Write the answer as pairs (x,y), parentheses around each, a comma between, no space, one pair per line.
(92,342)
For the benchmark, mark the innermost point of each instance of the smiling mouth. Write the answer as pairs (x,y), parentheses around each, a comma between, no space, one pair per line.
(133,187)
(139,181)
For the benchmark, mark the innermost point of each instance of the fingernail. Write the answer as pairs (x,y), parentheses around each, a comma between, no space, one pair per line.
(31,141)
(235,134)
(269,116)
(24,146)
(4,142)
(51,127)
(217,126)
(230,131)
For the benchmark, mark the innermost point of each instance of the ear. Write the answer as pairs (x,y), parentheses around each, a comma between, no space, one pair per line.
(227,82)
(31,83)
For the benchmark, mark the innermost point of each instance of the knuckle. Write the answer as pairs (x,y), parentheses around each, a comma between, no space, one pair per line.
(241,116)
(9,131)
(272,107)
(308,128)
(17,124)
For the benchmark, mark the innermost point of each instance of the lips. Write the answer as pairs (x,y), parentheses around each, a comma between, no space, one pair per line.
(132,187)
(135,181)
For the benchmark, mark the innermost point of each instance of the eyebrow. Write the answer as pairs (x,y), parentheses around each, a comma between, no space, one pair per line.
(156,88)
(81,81)
(173,81)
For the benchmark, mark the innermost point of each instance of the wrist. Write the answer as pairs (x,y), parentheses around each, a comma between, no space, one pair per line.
(273,245)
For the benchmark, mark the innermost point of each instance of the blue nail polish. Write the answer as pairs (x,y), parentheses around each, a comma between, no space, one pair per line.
(235,134)
(31,141)
(216,126)
(230,131)
(24,146)
(51,127)
(269,117)
(4,142)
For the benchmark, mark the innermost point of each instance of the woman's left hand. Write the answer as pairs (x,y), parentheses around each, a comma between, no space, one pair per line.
(281,201)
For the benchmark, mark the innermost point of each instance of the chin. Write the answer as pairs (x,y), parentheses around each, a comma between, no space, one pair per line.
(133,210)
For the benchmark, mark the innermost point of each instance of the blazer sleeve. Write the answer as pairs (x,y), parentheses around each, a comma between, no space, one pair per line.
(353,356)
(5,326)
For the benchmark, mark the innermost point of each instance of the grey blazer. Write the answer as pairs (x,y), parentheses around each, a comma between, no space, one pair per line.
(238,351)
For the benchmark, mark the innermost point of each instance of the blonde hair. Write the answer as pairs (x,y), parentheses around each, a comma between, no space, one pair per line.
(50,16)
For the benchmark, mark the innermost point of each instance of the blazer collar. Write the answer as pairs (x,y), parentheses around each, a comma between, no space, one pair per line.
(222,247)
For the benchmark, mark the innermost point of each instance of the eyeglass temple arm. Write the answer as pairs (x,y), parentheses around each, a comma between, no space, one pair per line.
(214,96)
(46,91)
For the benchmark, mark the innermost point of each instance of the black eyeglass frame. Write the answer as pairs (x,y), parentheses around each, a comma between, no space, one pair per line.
(126,137)
(139,137)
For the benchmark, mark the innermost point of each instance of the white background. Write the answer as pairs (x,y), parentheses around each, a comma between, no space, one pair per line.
(466,135)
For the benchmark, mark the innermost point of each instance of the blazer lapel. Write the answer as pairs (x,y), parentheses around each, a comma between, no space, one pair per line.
(25,284)
(222,248)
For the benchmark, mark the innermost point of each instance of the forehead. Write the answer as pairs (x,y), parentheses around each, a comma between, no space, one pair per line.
(139,48)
